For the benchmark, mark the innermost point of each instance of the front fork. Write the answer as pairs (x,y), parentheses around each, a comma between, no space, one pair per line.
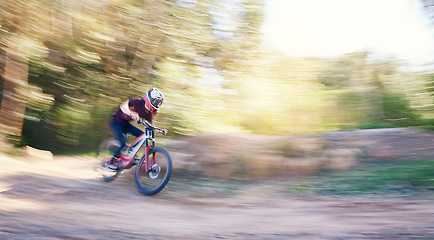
(149,161)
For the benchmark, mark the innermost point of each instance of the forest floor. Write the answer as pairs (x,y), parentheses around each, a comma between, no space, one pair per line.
(64,198)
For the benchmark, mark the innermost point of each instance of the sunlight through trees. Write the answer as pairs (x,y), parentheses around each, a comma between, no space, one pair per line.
(67,65)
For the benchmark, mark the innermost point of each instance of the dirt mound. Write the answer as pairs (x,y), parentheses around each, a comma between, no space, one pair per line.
(394,143)
(263,157)
(64,198)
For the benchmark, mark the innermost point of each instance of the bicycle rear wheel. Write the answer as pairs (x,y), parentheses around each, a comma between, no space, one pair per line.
(104,153)
(153,181)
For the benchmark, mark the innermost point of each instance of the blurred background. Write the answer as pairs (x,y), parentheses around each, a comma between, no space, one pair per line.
(250,66)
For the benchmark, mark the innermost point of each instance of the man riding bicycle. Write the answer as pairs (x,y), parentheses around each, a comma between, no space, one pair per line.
(133,109)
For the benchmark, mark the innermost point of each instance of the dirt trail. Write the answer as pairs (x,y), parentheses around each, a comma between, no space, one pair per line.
(65,199)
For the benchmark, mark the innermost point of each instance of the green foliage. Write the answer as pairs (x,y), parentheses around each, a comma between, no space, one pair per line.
(86,57)
(111,51)
(396,113)
(397,108)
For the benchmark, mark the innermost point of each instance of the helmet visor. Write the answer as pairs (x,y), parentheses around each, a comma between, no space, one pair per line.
(156,102)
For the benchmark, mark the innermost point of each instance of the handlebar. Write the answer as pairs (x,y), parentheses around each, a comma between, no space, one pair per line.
(148,125)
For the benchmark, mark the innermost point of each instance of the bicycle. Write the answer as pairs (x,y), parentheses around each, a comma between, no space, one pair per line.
(153,169)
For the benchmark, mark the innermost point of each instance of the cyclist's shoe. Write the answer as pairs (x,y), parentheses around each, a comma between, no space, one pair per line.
(105,168)
(113,164)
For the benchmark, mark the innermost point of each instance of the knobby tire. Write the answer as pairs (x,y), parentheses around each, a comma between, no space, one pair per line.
(144,182)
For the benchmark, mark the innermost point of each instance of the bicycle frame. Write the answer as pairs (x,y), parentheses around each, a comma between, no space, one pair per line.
(147,139)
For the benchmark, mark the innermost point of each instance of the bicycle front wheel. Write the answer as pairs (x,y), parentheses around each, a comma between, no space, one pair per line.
(152,175)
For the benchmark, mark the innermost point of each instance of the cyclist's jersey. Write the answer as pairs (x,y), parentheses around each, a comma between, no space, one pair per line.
(139,107)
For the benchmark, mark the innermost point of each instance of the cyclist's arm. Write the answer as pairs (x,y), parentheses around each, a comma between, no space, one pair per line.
(129,110)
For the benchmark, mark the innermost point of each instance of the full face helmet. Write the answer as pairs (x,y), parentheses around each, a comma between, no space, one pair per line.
(153,99)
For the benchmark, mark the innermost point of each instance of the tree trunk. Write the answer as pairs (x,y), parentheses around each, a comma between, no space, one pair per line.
(13,104)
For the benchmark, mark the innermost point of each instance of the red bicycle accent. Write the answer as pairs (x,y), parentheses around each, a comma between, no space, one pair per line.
(148,167)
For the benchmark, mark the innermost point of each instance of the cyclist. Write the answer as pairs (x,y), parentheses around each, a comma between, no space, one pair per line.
(133,109)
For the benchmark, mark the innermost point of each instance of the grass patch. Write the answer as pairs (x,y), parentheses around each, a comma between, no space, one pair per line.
(74,152)
(404,178)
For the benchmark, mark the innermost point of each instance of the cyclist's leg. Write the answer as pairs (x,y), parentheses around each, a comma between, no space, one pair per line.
(133,130)
(119,132)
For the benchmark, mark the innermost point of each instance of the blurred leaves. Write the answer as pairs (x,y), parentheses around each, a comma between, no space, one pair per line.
(85,57)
